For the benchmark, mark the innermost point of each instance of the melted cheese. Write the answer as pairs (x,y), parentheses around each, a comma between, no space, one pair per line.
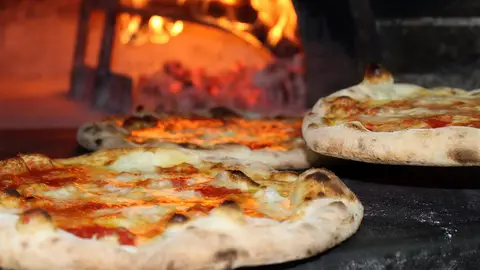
(147,161)
(68,192)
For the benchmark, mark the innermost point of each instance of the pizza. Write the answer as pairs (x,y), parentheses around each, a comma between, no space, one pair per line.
(276,141)
(166,208)
(380,121)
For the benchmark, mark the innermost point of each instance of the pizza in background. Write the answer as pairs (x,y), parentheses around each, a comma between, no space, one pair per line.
(166,208)
(380,121)
(276,141)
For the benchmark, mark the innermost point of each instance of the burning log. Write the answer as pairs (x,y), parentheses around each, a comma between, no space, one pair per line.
(277,88)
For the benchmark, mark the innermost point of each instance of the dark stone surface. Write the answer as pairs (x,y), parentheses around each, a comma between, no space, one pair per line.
(327,31)
(415,217)
(434,54)
(407,228)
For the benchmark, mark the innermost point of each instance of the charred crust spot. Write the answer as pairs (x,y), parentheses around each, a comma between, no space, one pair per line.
(178,219)
(91,129)
(313,126)
(321,194)
(109,162)
(337,189)
(140,122)
(310,252)
(12,193)
(29,198)
(310,113)
(190,146)
(315,145)
(349,220)
(339,205)
(461,135)
(228,255)
(464,156)
(280,117)
(140,141)
(355,126)
(171,266)
(24,244)
(319,177)
(308,227)
(37,212)
(229,203)
(88,129)
(336,238)
(238,174)
(223,236)
(374,70)
(54,240)
(361,145)
(139,108)
(222,112)
(98,142)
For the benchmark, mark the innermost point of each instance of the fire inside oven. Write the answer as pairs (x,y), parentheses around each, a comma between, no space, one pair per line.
(239,54)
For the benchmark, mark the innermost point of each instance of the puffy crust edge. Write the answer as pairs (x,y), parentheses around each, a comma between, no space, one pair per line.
(330,214)
(329,222)
(105,137)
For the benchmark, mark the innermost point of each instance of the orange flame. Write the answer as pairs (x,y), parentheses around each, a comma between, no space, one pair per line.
(278,15)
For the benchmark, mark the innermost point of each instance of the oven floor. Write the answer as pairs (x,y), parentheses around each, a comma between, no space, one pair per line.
(40,103)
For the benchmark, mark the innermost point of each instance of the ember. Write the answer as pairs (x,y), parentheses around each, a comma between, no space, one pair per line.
(276,88)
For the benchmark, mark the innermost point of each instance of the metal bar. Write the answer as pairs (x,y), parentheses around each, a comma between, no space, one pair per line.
(106,47)
(79,83)
(82,34)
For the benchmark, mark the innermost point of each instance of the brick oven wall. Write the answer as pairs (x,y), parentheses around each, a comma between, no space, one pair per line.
(37,40)
(431,43)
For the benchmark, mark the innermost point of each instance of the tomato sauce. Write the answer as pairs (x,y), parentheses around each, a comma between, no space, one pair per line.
(201,208)
(211,191)
(436,123)
(125,237)
(56,177)
(179,182)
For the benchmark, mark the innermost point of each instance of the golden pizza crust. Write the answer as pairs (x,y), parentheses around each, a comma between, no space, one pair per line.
(107,134)
(328,214)
(446,146)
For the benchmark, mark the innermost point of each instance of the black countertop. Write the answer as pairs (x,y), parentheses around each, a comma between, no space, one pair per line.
(415,217)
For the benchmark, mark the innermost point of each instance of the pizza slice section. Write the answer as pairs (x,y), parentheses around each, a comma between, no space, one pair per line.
(138,196)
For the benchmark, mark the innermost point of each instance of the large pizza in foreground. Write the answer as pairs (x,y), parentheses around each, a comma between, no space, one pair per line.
(380,121)
(165,208)
(276,141)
